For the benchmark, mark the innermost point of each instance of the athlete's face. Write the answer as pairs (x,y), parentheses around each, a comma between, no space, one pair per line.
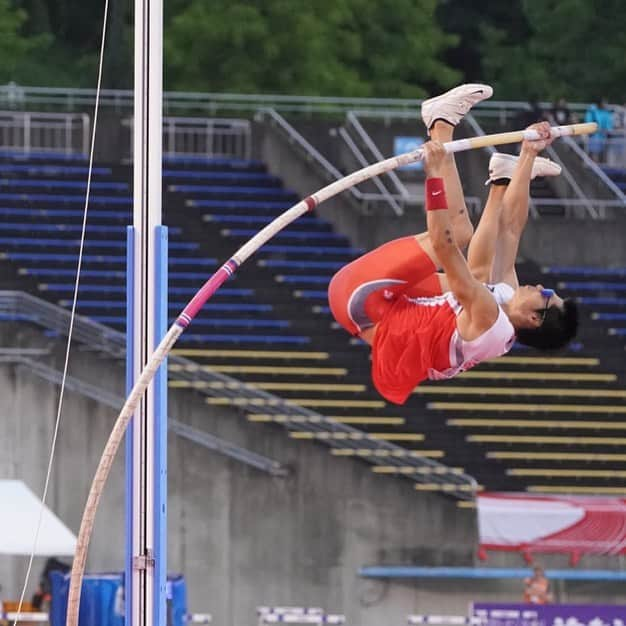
(533,302)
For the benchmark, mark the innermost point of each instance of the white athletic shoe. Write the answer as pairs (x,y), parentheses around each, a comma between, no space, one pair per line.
(454,104)
(502,165)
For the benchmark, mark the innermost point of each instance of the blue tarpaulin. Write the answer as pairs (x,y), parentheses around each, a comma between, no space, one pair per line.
(102,600)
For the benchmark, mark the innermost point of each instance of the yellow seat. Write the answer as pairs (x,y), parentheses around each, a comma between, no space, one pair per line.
(548,439)
(545,423)
(569,376)
(364,420)
(526,407)
(557,361)
(357,435)
(566,473)
(382,453)
(577,489)
(267,386)
(530,455)
(447,487)
(250,354)
(410,469)
(443,390)
(305,402)
(260,369)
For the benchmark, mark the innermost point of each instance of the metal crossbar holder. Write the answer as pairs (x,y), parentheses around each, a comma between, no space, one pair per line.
(143,561)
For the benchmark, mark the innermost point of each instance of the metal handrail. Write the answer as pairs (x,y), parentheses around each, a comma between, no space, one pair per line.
(353,120)
(363,162)
(582,197)
(596,169)
(211,442)
(26,131)
(323,163)
(14,95)
(293,417)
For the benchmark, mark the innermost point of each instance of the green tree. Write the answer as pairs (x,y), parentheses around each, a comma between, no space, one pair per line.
(328,47)
(574,48)
(15,48)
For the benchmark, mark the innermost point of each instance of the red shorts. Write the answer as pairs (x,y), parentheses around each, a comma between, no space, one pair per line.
(362,292)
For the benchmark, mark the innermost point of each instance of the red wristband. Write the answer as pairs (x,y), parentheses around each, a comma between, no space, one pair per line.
(435,194)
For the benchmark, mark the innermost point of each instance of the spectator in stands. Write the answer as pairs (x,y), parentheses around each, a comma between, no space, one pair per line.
(560,113)
(423,325)
(537,587)
(603,117)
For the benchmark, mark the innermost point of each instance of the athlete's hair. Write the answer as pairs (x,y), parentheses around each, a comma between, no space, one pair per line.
(558,328)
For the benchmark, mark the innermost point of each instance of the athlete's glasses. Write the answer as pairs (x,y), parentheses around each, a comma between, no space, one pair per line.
(547,294)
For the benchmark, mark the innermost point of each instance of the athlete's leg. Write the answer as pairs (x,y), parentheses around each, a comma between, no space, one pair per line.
(482,248)
(360,293)
(515,201)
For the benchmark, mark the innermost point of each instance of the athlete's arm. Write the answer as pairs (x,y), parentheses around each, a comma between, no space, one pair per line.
(514,213)
(479,307)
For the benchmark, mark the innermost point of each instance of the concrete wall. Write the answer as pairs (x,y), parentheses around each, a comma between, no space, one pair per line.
(241,537)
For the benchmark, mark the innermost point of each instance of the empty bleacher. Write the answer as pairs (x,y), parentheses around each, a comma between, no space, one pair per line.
(526,421)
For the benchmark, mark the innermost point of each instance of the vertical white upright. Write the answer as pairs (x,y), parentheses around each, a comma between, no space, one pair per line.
(142,592)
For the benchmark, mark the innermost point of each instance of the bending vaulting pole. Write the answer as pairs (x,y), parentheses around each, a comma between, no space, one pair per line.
(214,283)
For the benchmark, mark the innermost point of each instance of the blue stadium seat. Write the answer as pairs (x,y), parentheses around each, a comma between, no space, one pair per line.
(83,289)
(73,228)
(311,294)
(601,300)
(330,265)
(321,250)
(44,271)
(68,243)
(586,271)
(609,317)
(304,279)
(53,170)
(620,332)
(224,291)
(177,306)
(47,257)
(261,220)
(221,322)
(219,176)
(17,317)
(239,204)
(593,286)
(286,234)
(240,164)
(65,199)
(62,184)
(241,338)
(226,190)
(66,213)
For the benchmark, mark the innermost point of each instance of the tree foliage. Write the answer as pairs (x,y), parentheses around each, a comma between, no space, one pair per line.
(332,47)
(16,49)
(384,48)
(574,49)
